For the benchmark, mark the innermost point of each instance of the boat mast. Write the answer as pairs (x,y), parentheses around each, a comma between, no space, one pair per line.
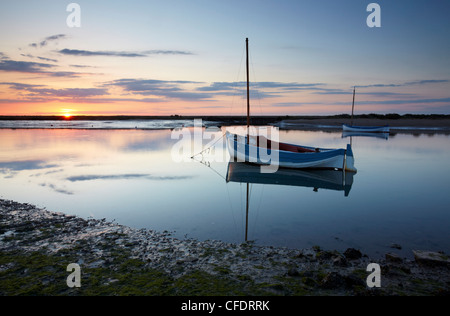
(246,216)
(248,95)
(353,104)
(248,131)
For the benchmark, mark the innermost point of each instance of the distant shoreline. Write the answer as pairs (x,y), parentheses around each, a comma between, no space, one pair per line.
(269,118)
(407,123)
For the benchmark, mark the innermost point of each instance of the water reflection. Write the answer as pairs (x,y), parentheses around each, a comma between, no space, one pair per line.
(240,172)
(338,180)
(362,134)
(400,193)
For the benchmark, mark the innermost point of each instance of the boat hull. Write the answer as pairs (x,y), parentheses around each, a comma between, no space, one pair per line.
(320,158)
(366,129)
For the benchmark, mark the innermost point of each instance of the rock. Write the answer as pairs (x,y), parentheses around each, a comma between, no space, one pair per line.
(293,272)
(352,254)
(340,261)
(430,258)
(352,280)
(333,280)
(396,246)
(393,258)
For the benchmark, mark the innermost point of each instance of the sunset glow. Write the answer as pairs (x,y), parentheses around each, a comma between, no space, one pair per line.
(186,58)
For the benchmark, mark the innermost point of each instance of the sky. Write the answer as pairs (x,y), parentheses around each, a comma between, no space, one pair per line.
(187,57)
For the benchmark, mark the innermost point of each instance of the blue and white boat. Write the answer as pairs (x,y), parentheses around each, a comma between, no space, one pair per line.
(286,155)
(365,129)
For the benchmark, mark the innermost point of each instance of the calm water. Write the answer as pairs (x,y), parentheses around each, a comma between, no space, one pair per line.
(399,195)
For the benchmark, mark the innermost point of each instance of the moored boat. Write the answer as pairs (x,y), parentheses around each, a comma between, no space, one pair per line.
(258,150)
(363,129)
(366,129)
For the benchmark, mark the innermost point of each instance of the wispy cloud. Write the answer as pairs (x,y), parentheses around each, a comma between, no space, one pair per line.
(78,52)
(41,91)
(408,101)
(34,68)
(124,176)
(88,53)
(23,66)
(293,104)
(225,86)
(56,189)
(161,88)
(404,84)
(81,66)
(167,52)
(259,90)
(47,40)
(25,165)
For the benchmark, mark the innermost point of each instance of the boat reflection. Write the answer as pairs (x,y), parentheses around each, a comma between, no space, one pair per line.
(363,134)
(317,179)
(338,180)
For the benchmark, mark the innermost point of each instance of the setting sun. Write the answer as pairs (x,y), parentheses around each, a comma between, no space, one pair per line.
(67,113)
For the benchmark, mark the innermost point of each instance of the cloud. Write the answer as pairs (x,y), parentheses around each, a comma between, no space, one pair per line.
(87,53)
(77,52)
(21,86)
(47,59)
(81,66)
(25,165)
(167,52)
(404,84)
(47,40)
(293,104)
(56,189)
(71,92)
(160,88)
(413,101)
(34,68)
(225,86)
(23,66)
(124,176)
(41,92)
(259,90)
(350,92)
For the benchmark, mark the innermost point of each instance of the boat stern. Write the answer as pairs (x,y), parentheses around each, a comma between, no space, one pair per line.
(349,159)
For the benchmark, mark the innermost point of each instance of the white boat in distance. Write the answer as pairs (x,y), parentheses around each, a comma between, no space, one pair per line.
(363,129)
(256,149)
(366,129)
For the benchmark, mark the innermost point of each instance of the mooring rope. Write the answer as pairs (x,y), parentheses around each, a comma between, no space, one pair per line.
(201,152)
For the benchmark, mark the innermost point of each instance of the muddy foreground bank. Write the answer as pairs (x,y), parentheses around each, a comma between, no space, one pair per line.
(37,246)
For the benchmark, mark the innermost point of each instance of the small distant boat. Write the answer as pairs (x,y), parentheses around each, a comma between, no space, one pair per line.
(366,129)
(363,129)
(248,149)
